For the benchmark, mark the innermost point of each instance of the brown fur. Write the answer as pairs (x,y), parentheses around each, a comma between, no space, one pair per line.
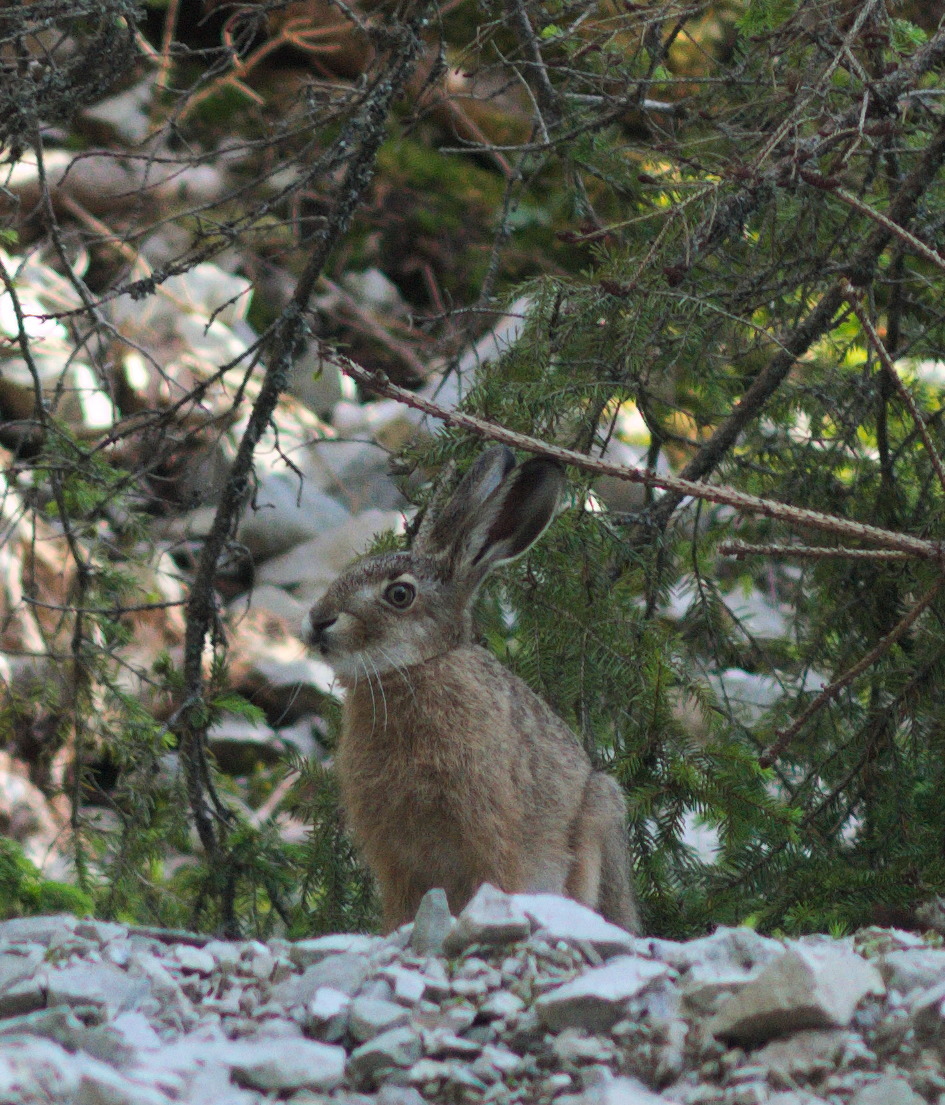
(453,772)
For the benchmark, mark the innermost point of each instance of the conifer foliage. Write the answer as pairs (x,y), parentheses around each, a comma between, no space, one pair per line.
(728,223)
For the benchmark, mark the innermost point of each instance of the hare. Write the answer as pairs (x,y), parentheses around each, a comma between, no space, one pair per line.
(453,772)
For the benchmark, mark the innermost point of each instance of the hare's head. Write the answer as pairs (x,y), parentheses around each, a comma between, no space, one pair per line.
(398,609)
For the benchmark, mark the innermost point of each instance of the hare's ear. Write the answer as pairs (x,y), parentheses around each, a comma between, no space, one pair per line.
(512,519)
(443,525)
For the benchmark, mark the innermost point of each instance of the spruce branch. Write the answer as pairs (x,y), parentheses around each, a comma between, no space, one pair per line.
(860,271)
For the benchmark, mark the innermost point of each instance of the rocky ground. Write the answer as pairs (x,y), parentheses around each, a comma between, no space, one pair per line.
(523,998)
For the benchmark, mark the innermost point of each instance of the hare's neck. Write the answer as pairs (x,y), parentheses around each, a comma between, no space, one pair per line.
(397,699)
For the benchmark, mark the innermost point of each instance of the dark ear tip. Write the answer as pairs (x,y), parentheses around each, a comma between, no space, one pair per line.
(498,454)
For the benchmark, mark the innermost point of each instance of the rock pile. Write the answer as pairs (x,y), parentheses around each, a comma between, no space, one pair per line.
(521,999)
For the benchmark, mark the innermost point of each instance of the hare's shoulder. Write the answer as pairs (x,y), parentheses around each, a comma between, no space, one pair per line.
(498,694)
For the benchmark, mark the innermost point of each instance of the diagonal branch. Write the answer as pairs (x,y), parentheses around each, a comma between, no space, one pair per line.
(830,692)
(886,361)
(741,549)
(916,547)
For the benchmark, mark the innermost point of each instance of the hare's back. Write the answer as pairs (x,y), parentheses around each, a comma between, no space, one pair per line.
(521,722)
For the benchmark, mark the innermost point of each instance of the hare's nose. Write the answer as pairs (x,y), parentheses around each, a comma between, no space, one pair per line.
(318,630)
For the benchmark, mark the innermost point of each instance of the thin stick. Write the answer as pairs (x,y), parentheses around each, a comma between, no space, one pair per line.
(812,552)
(858,531)
(900,231)
(904,394)
(167,42)
(784,738)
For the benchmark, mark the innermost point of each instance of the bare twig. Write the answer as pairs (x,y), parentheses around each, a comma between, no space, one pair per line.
(742,549)
(677,486)
(900,232)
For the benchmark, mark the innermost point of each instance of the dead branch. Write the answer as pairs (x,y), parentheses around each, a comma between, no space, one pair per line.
(677,486)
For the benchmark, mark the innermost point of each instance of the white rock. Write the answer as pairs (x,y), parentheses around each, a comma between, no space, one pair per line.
(409,986)
(561,918)
(809,986)
(194,959)
(803,1054)
(316,379)
(100,1084)
(327,1013)
(313,564)
(345,972)
(596,999)
(304,953)
(369,1017)
(239,744)
(285,513)
(433,923)
(501,1005)
(887,1090)
(490,917)
(622,1091)
(97,984)
(36,930)
(272,599)
(280,1065)
(126,114)
(907,970)
(36,1070)
(717,965)
(400,1047)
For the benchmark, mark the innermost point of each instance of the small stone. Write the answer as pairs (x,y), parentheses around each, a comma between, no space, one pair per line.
(102,932)
(906,971)
(409,986)
(559,918)
(398,1095)
(345,972)
(369,1017)
(573,1046)
(327,1014)
(440,1043)
(887,1090)
(596,1000)
(400,1047)
(491,917)
(36,930)
(432,924)
(198,960)
(501,1005)
(279,1065)
(99,1084)
(622,1091)
(304,953)
(225,955)
(812,985)
(97,984)
(803,1054)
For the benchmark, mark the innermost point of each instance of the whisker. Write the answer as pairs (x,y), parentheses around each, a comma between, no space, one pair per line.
(380,687)
(401,671)
(367,676)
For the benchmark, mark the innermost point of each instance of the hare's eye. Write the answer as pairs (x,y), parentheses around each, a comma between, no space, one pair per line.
(400,595)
